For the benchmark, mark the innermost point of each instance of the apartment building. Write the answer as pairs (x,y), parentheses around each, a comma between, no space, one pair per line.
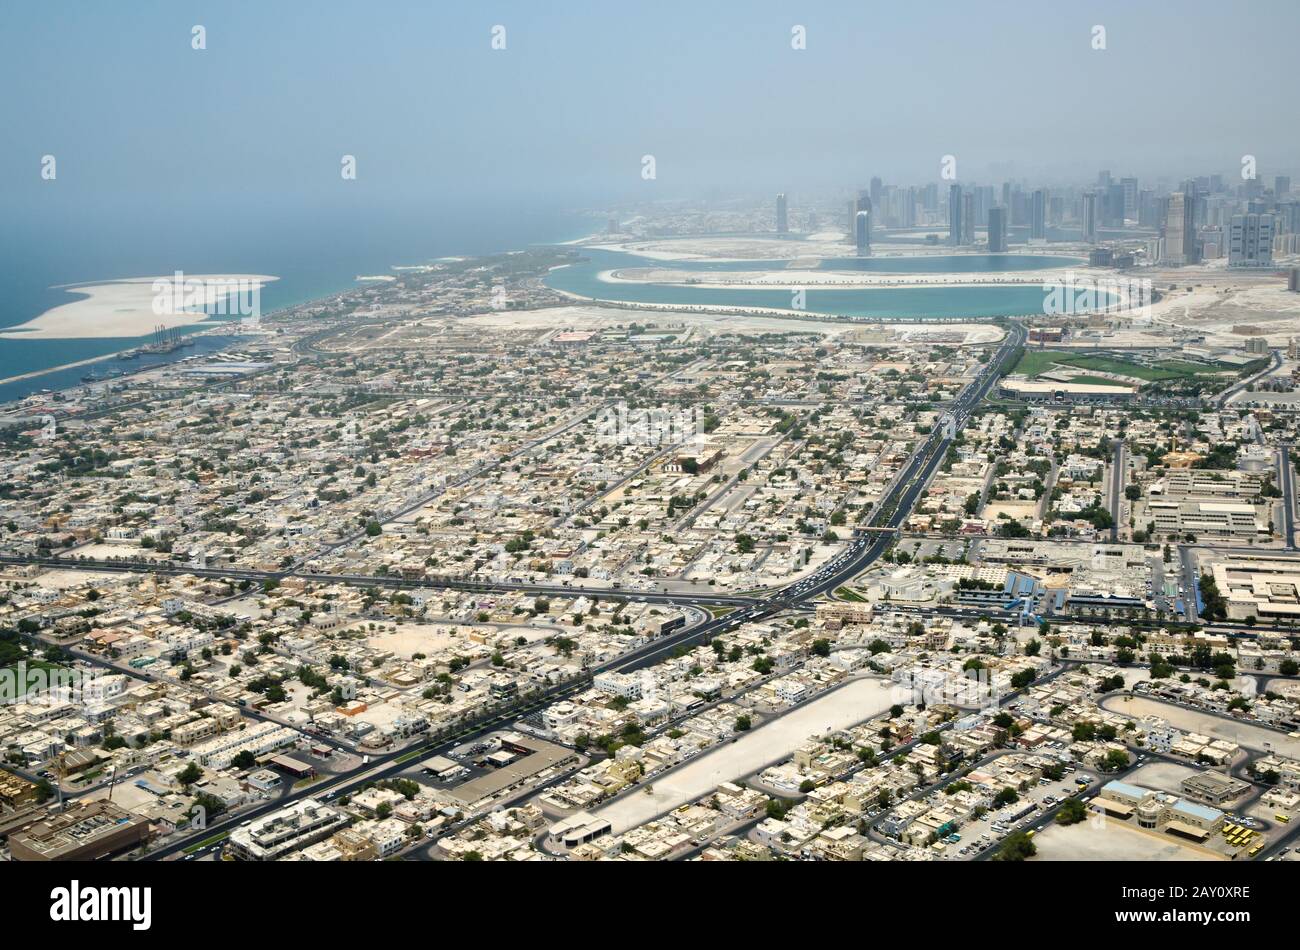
(1202,518)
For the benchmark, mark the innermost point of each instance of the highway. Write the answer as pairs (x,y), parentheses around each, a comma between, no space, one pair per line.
(1117,480)
(1286,476)
(370,580)
(1225,397)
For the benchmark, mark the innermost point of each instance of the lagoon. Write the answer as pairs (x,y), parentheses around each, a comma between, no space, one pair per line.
(931,302)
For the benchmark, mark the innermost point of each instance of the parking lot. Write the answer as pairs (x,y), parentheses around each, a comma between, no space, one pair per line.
(985,834)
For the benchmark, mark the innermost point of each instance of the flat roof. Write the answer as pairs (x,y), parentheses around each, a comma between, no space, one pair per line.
(1124,788)
(541,756)
(1203,812)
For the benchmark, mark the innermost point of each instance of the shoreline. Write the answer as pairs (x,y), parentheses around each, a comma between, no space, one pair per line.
(136,341)
(129,309)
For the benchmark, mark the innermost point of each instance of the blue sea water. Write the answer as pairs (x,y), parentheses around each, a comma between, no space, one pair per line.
(312,254)
(912,302)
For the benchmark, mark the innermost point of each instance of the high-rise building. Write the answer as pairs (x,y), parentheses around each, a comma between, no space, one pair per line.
(1038,216)
(1281,186)
(1148,209)
(782,221)
(985,198)
(1112,206)
(967,218)
(954,214)
(1250,240)
(1180,231)
(997,230)
(877,192)
(1130,186)
(1091,200)
(862,233)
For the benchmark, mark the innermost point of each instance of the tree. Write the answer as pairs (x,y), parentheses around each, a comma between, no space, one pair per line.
(1017,847)
(1115,760)
(190,774)
(1072,812)
(244,760)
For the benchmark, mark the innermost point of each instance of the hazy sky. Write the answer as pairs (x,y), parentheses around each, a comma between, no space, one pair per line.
(285,88)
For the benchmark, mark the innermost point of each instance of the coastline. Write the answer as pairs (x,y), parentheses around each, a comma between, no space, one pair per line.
(129,308)
(134,341)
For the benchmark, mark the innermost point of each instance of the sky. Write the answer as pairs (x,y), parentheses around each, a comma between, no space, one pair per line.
(138,119)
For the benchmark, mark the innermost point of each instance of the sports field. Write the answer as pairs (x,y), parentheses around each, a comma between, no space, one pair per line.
(1034,363)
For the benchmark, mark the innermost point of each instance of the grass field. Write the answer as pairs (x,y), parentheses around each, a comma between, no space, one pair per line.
(1034,363)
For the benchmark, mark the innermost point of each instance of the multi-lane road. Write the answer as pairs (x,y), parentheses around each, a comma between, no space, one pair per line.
(1118,476)
(1286,476)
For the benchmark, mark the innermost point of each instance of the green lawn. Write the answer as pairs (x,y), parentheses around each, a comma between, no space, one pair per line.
(1034,363)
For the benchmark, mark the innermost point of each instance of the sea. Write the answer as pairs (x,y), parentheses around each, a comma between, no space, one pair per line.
(920,303)
(316,253)
(312,255)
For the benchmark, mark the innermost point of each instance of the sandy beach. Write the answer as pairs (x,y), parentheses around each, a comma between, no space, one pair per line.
(126,308)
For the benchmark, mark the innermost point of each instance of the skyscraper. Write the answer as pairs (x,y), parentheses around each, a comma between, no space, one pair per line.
(1130,186)
(782,222)
(1180,231)
(954,214)
(1281,186)
(1112,206)
(862,233)
(1250,240)
(997,230)
(1038,216)
(967,218)
(1090,211)
(877,191)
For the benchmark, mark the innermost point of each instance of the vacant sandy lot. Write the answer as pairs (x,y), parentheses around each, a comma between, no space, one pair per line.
(1162,776)
(1244,734)
(430,639)
(1113,842)
(1021,511)
(773,742)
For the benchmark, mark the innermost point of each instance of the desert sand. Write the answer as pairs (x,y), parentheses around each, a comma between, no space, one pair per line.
(135,306)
